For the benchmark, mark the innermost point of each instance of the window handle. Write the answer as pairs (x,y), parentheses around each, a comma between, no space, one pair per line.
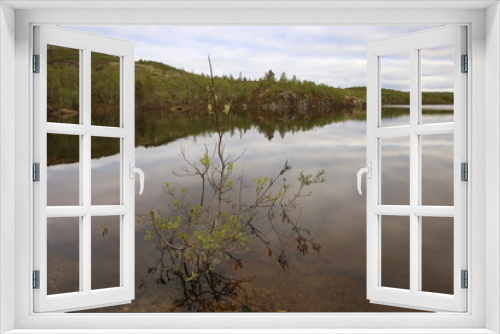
(134,170)
(368,171)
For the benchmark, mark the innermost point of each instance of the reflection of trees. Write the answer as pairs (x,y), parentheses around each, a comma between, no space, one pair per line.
(395,112)
(200,124)
(210,292)
(156,129)
(203,231)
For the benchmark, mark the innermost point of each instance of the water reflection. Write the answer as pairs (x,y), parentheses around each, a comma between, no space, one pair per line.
(395,251)
(105,241)
(437,154)
(63,257)
(437,254)
(395,170)
(332,281)
(211,291)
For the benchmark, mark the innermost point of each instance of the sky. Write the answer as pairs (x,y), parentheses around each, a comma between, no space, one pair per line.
(332,55)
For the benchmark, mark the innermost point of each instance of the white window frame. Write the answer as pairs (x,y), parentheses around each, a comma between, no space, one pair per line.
(86,297)
(483,314)
(415,297)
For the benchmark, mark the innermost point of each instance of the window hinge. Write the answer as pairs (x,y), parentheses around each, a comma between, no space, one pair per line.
(465,64)
(36,63)
(464,167)
(36,172)
(36,279)
(465,279)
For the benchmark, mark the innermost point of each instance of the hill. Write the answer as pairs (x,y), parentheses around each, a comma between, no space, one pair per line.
(160,86)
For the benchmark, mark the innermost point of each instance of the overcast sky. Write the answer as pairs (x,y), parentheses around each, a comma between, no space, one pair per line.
(335,56)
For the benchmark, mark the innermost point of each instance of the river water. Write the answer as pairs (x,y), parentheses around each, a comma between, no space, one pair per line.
(331,280)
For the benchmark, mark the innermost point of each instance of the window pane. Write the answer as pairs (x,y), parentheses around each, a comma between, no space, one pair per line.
(395,84)
(437,170)
(437,84)
(105,252)
(395,170)
(105,89)
(106,160)
(437,254)
(63,170)
(63,254)
(63,85)
(395,232)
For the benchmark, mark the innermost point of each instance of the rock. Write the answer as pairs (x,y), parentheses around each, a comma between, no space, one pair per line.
(354,104)
(285,103)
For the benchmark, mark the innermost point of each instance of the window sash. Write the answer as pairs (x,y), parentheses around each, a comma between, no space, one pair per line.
(414,298)
(86,298)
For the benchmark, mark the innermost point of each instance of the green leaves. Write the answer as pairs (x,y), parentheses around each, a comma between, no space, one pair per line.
(176,202)
(230,167)
(261,182)
(227,108)
(276,197)
(205,160)
(148,235)
(309,179)
(105,229)
(168,188)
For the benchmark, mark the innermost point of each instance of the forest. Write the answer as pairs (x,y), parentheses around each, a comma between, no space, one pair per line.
(160,86)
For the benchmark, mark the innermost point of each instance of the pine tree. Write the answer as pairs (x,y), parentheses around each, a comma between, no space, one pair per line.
(283,77)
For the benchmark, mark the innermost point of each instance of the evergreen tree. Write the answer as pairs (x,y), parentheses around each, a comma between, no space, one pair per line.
(269,76)
(283,77)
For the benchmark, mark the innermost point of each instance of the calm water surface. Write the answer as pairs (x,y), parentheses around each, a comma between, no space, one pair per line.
(332,280)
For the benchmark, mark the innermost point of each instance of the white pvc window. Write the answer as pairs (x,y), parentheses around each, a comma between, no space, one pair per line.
(412,210)
(24,251)
(76,203)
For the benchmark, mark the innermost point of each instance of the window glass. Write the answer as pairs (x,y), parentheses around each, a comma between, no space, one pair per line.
(437,254)
(106,172)
(395,232)
(63,85)
(437,84)
(395,170)
(106,233)
(63,170)
(438,170)
(106,96)
(395,89)
(63,259)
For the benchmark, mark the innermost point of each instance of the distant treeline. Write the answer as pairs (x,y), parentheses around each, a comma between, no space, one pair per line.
(397,97)
(159,85)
